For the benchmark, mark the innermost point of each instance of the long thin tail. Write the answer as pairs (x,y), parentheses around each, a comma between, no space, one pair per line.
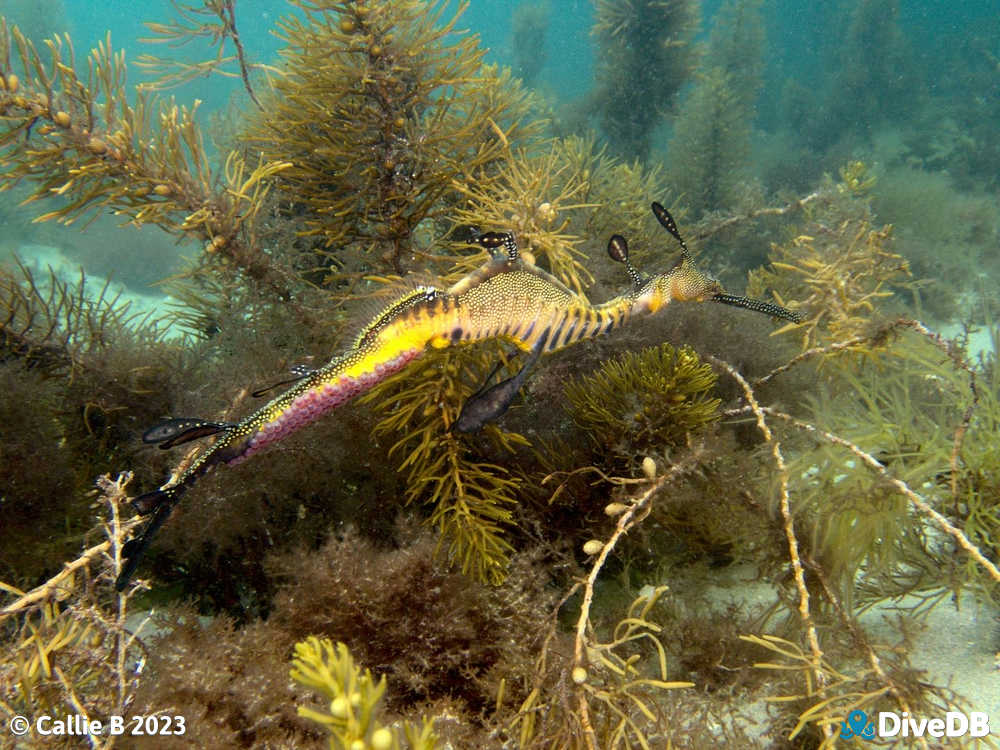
(160,503)
(315,394)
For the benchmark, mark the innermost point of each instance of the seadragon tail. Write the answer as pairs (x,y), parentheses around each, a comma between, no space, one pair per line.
(159,504)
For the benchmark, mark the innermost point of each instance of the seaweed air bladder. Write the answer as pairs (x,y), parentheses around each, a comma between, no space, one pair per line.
(508,298)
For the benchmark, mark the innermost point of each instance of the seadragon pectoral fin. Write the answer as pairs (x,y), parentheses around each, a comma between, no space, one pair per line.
(299,372)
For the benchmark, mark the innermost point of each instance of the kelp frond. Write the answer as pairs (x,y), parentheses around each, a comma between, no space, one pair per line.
(836,283)
(557,197)
(830,694)
(214,19)
(645,53)
(535,195)
(394,101)
(837,276)
(81,143)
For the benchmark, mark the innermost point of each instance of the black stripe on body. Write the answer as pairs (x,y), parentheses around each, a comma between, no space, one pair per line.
(527,334)
(591,325)
(557,333)
(543,340)
(552,342)
(570,330)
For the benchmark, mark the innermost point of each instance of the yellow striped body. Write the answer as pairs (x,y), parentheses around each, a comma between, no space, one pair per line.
(516,306)
(507,300)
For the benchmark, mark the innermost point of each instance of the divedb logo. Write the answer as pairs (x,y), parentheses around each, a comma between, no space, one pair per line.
(892,724)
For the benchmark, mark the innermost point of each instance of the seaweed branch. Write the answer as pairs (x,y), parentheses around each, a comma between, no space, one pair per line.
(535,195)
(879,337)
(786,514)
(79,140)
(58,585)
(822,679)
(715,226)
(68,647)
(861,641)
(914,497)
(191,26)
(587,651)
(838,277)
(472,500)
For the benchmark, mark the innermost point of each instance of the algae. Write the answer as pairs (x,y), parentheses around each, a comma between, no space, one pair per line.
(644,401)
(846,462)
(647,53)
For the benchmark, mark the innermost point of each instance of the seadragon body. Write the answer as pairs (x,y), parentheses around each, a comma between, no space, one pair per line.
(508,299)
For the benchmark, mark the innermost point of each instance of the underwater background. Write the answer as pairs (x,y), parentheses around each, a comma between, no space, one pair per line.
(707,528)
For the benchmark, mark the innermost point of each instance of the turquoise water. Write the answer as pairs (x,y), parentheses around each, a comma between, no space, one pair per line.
(896,85)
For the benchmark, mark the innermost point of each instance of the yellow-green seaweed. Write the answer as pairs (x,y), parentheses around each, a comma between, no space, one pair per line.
(353,716)
(641,401)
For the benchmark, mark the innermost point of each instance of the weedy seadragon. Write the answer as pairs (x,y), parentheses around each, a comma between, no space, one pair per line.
(508,298)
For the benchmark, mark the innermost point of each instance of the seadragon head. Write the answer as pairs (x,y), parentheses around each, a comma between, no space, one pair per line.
(684,282)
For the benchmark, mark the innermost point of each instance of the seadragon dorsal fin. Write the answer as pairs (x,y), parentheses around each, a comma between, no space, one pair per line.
(394,310)
(510,260)
(548,277)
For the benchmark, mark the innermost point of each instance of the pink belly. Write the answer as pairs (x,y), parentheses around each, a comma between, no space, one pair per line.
(317,401)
